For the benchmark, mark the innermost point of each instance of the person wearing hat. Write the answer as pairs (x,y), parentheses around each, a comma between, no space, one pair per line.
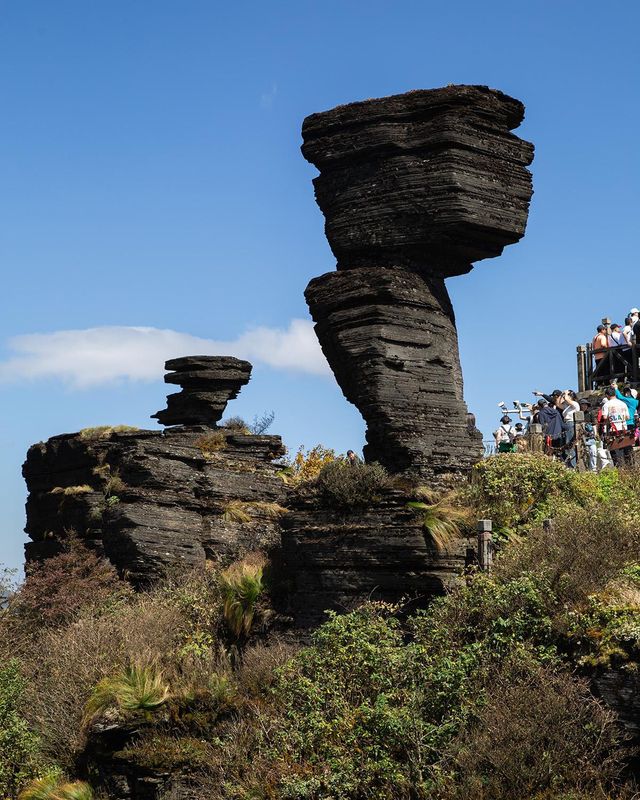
(505,435)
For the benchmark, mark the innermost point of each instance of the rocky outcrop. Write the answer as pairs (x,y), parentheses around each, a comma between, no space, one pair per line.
(337,561)
(151,500)
(208,383)
(414,188)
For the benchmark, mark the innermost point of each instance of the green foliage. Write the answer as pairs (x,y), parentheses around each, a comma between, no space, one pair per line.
(346,486)
(20,759)
(54,788)
(241,587)
(518,489)
(137,688)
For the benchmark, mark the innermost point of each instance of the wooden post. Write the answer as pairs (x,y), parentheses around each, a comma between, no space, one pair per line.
(578,432)
(485,544)
(536,438)
(634,361)
(582,364)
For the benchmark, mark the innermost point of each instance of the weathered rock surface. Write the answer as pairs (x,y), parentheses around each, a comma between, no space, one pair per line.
(151,500)
(398,328)
(414,188)
(208,383)
(336,562)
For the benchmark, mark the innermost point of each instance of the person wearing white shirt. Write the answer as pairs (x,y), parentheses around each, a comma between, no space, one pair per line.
(616,414)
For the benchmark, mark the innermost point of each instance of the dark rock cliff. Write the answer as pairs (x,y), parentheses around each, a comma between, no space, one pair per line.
(414,188)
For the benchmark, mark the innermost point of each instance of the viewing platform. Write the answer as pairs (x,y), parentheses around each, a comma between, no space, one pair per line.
(598,367)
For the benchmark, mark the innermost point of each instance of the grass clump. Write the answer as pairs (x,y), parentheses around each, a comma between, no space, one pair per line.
(242,586)
(211,443)
(444,519)
(242,511)
(347,486)
(105,431)
(55,788)
(72,491)
(137,688)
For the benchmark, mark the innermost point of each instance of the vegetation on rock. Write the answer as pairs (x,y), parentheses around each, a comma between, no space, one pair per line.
(485,694)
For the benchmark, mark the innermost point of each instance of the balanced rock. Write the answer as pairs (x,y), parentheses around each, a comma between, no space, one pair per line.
(414,188)
(208,383)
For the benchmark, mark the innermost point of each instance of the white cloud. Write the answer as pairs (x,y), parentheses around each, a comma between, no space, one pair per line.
(97,356)
(267,99)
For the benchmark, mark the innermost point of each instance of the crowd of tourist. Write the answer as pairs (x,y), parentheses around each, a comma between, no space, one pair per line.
(610,430)
(612,336)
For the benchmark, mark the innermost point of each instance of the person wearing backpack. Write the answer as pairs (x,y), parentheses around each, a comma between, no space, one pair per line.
(505,436)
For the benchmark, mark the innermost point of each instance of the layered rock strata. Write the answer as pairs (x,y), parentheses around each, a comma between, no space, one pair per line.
(414,188)
(153,500)
(208,383)
(336,562)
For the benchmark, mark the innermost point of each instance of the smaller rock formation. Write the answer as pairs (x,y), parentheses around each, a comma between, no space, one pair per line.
(151,500)
(208,383)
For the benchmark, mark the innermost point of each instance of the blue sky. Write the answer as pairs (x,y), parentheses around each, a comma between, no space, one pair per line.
(150,176)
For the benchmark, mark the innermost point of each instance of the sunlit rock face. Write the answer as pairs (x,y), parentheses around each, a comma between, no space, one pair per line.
(414,189)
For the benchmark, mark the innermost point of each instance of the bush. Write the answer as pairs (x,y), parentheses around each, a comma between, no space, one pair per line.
(347,486)
(63,665)
(58,589)
(306,466)
(578,555)
(20,758)
(237,425)
(518,489)
(539,731)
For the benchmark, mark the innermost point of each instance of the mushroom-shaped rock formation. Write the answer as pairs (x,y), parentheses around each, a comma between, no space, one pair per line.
(414,188)
(208,383)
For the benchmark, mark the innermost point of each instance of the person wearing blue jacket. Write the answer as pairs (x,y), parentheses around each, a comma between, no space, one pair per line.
(629,400)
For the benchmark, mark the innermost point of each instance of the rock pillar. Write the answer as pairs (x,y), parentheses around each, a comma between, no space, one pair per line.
(414,188)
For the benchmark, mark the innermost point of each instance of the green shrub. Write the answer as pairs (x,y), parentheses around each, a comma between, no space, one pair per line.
(137,688)
(347,486)
(518,489)
(241,586)
(20,758)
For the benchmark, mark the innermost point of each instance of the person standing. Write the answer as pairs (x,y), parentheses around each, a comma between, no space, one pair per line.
(630,402)
(504,436)
(616,415)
